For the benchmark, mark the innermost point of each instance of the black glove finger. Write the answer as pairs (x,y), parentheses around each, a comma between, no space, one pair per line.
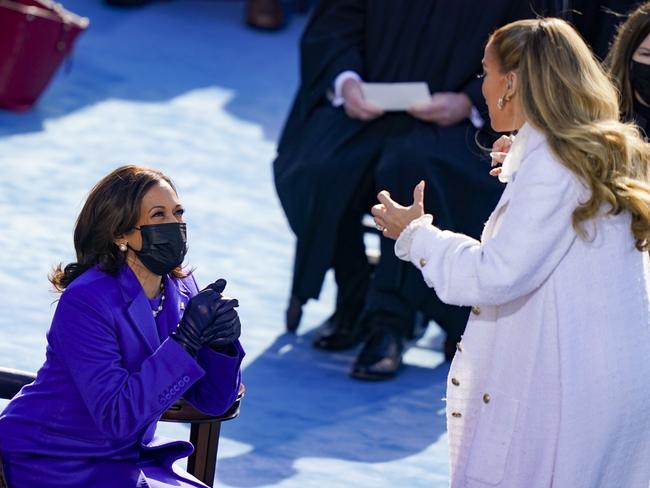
(215,330)
(190,342)
(225,307)
(219,286)
(227,299)
(223,332)
(226,303)
(225,340)
(224,318)
(193,321)
(199,302)
(234,331)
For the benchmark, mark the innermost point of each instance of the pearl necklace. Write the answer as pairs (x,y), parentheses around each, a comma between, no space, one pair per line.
(159,308)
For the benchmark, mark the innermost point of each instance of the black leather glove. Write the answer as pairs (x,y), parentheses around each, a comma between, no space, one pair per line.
(202,311)
(226,328)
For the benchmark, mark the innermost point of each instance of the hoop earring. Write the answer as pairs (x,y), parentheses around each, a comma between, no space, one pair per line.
(123,247)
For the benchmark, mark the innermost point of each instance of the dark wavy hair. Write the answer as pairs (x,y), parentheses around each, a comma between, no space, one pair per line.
(111,210)
(629,36)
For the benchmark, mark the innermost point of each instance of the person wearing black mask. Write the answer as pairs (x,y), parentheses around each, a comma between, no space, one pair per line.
(628,62)
(131,335)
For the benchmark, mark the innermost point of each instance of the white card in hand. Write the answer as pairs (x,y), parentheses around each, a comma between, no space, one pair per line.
(396,96)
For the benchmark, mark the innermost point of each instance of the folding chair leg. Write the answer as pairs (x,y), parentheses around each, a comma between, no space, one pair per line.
(3,481)
(202,463)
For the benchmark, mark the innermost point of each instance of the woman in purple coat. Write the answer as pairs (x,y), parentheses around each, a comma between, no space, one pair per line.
(131,334)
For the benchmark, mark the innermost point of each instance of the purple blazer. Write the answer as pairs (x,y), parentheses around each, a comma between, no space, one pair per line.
(88,420)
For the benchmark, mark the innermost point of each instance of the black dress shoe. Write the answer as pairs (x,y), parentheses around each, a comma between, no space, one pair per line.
(381,355)
(264,14)
(338,333)
(294,313)
(344,328)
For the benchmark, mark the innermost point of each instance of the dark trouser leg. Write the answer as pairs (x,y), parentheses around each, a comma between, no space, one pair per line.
(352,273)
(459,195)
(351,268)
(398,287)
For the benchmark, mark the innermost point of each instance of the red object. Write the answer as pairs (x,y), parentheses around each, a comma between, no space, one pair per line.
(35,37)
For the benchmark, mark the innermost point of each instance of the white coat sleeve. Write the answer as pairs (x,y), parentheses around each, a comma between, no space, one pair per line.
(534,235)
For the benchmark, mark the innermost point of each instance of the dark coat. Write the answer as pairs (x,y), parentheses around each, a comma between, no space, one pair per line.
(323,155)
(641,117)
(597,21)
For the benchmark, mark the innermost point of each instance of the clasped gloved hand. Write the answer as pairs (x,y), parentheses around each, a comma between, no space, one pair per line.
(209,319)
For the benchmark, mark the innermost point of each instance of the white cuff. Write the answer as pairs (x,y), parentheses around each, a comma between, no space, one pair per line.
(405,239)
(337,99)
(476,119)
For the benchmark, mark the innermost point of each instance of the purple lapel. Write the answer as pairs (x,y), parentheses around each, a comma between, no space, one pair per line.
(138,307)
(176,298)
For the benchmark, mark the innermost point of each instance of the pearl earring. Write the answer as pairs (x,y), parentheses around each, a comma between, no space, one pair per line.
(123,247)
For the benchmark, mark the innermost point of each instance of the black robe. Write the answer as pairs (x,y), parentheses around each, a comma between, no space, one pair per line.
(597,20)
(323,155)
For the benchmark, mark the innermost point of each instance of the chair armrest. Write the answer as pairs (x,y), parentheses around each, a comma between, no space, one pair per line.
(12,380)
(183,411)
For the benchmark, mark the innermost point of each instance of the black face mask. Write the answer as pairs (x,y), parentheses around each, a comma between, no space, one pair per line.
(163,246)
(640,78)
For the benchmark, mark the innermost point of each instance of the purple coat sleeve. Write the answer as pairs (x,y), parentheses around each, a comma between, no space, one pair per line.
(85,333)
(215,392)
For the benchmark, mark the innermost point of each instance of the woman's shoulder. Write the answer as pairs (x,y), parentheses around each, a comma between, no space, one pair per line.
(93,284)
(541,165)
(93,277)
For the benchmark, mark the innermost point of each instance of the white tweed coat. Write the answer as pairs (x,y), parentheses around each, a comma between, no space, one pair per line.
(550,386)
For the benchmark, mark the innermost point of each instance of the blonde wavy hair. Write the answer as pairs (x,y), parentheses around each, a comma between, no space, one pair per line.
(565,93)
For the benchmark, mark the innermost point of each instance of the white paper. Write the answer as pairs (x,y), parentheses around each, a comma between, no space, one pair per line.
(396,96)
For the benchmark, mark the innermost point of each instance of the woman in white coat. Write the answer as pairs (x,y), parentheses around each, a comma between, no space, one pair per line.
(550,386)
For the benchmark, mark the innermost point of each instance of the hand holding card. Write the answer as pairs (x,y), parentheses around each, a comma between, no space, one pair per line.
(394,97)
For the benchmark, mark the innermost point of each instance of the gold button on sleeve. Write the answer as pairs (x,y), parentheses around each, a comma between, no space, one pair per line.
(423,262)
(476,310)
(486,398)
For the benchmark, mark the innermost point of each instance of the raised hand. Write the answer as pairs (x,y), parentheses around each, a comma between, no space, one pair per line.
(500,149)
(392,218)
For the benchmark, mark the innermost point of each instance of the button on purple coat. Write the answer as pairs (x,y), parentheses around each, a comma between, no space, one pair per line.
(89,418)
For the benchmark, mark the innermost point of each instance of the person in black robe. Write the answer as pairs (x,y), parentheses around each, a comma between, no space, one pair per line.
(333,160)
(597,20)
